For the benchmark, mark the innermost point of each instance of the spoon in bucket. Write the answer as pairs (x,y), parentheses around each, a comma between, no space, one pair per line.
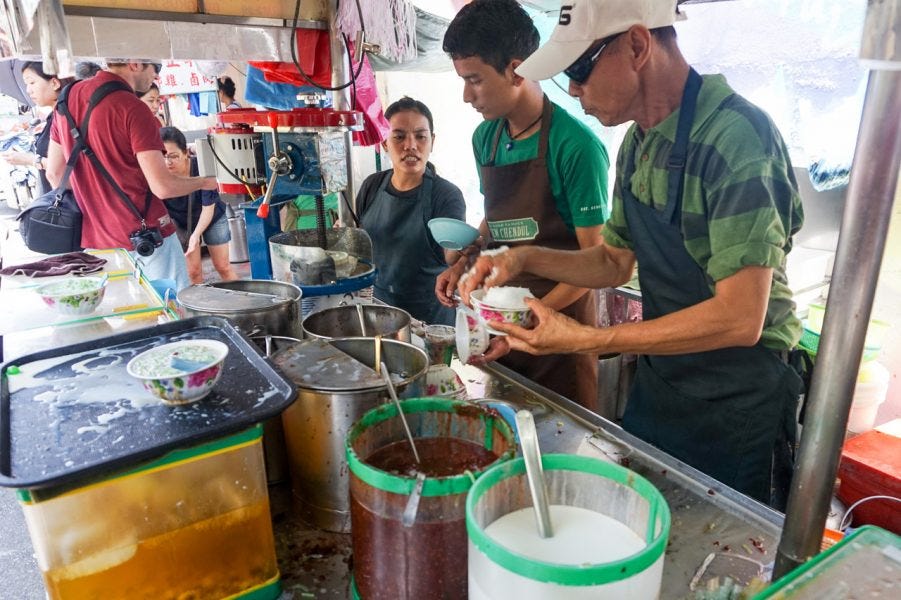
(403,419)
(362,320)
(528,441)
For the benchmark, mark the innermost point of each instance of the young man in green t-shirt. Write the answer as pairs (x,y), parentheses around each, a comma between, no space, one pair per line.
(543,175)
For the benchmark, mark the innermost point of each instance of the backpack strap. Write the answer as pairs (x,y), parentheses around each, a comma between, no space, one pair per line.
(80,135)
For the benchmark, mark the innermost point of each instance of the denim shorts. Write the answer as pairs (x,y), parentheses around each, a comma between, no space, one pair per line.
(217,233)
(166,262)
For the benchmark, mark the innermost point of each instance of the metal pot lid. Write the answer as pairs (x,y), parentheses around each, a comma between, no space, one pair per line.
(317,365)
(212,299)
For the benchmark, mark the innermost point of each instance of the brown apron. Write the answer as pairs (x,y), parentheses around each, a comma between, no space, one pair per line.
(520,210)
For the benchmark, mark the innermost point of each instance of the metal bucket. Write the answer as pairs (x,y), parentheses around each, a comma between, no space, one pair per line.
(344,321)
(325,409)
(245,303)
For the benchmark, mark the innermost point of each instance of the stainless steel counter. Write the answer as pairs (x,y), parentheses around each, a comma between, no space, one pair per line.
(708,518)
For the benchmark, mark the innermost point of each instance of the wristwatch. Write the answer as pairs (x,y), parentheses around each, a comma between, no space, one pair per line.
(37,161)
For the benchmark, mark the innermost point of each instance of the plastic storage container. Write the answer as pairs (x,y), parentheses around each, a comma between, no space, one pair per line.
(193,524)
(127,497)
(871,466)
(869,394)
(630,511)
(409,547)
(866,564)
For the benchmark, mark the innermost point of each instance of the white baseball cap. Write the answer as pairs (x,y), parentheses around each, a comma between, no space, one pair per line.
(584,21)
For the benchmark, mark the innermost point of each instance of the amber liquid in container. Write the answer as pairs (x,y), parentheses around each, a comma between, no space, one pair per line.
(178,564)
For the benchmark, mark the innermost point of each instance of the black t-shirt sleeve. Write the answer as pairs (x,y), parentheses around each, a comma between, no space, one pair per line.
(367,193)
(447,200)
(42,141)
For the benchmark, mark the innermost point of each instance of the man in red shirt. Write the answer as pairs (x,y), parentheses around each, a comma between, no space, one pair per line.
(125,136)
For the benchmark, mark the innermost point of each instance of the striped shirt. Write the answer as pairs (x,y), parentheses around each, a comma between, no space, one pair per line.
(740,202)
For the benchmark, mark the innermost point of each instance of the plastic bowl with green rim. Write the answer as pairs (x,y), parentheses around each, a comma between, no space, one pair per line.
(596,489)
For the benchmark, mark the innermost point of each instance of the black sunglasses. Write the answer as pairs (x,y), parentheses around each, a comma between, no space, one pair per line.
(581,69)
(157,67)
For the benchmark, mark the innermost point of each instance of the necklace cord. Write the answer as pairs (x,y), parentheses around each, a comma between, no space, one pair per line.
(522,131)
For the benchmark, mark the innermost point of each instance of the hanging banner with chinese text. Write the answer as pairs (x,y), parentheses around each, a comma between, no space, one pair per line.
(182,77)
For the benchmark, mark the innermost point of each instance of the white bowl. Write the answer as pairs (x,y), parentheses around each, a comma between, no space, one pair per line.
(442,380)
(74,295)
(179,386)
(521,316)
(472,335)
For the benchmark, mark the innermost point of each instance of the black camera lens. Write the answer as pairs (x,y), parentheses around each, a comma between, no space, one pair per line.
(144,248)
(145,241)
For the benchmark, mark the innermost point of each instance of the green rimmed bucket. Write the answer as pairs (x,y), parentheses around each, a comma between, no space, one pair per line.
(498,571)
(426,558)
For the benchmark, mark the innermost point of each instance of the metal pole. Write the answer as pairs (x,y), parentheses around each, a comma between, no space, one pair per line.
(341,101)
(868,208)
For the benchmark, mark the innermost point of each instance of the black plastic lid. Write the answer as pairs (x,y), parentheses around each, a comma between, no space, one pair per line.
(73,413)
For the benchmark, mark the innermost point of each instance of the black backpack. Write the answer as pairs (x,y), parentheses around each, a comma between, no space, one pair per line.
(52,223)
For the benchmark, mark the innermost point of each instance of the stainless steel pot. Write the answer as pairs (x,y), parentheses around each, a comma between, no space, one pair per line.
(329,401)
(256,306)
(344,322)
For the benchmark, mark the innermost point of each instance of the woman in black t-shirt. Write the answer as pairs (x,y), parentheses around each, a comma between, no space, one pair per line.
(43,89)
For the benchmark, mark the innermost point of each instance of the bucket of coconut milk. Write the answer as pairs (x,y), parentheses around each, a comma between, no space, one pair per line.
(610,530)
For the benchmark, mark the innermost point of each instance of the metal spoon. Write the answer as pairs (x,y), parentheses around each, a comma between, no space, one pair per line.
(403,419)
(409,516)
(362,320)
(378,355)
(528,441)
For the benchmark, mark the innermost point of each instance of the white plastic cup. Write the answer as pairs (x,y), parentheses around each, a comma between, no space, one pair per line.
(869,394)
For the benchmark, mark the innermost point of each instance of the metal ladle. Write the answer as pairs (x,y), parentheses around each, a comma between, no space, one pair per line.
(403,419)
(528,441)
(362,320)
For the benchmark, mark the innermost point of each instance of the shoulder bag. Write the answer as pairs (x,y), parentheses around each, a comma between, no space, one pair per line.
(52,223)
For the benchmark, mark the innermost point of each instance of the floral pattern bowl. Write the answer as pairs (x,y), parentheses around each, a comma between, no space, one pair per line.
(472,335)
(180,372)
(442,380)
(521,316)
(74,296)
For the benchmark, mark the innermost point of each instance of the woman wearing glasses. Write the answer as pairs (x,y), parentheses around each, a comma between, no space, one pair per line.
(543,175)
(198,216)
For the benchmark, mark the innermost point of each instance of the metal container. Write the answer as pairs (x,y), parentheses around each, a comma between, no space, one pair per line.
(237,246)
(344,322)
(336,386)
(256,306)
